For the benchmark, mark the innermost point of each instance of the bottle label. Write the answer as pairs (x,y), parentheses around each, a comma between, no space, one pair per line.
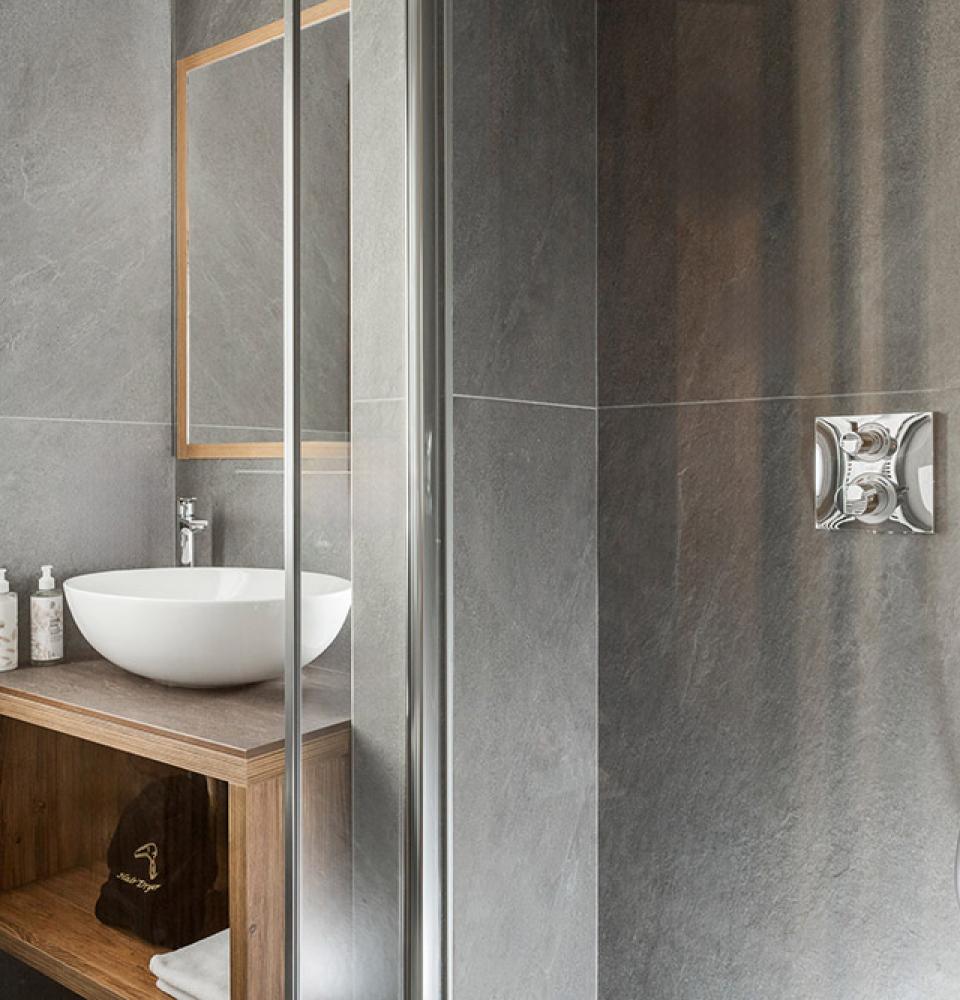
(46,629)
(8,634)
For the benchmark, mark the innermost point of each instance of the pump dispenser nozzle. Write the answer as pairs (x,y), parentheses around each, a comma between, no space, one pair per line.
(46,620)
(4,582)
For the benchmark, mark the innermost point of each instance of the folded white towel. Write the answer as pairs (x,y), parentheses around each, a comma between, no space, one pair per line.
(200,971)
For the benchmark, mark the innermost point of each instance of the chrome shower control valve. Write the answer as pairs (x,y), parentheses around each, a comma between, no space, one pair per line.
(870,499)
(875,473)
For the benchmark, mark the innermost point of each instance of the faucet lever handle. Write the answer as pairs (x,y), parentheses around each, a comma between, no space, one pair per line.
(185,506)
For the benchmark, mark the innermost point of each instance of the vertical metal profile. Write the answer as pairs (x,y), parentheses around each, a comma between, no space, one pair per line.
(291,497)
(428,393)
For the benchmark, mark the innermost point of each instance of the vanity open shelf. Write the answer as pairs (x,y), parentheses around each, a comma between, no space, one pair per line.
(78,741)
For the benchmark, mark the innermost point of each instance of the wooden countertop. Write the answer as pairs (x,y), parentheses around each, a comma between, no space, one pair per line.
(235,734)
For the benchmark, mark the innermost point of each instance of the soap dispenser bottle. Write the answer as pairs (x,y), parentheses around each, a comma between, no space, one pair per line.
(46,620)
(9,652)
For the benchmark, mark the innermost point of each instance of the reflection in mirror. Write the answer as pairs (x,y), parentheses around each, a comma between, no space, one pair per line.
(229,241)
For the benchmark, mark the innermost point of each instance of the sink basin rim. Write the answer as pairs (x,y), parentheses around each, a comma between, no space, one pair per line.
(82,583)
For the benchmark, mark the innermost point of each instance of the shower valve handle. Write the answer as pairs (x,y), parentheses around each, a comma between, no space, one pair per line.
(869,498)
(859,500)
(869,443)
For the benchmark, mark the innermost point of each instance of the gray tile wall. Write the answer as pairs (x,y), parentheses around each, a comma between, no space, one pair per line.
(524,175)
(202,23)
(379,470)
(84,289)
(778,743)
(234,188)
(523,825)
(524,701)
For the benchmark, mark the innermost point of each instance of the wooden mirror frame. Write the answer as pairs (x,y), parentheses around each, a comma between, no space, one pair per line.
(225,449)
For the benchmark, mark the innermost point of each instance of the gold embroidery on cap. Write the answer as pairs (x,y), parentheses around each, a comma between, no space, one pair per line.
(149,852)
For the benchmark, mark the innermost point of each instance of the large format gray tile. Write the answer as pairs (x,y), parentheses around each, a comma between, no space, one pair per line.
(379,693)
(85,209)
(378,198)
(234,190)
(524,199)
(778,721)
(379,468)
(85,497)
(778,198)
(202,23)
(523,909)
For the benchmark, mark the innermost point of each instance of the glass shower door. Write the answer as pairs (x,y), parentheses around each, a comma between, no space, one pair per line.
(363,503)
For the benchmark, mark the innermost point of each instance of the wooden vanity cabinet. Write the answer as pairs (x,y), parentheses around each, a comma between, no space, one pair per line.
(79,741)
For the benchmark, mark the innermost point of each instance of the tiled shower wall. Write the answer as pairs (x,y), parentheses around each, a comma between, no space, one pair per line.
(779,736)
(84,290)
(523,825)
(379,501)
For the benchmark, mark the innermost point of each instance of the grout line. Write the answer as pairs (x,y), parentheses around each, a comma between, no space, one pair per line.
(526,402)
(88,420)
(775,399)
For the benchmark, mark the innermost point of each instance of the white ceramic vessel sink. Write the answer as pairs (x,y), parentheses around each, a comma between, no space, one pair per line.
(202,627)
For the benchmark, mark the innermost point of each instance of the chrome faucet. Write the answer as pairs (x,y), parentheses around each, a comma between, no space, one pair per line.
(188,527)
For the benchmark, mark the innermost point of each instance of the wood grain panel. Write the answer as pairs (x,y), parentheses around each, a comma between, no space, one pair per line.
(50,926)
(128,737)
(67,772)
(256,890)
(257,885)
(60,800)
(234,735)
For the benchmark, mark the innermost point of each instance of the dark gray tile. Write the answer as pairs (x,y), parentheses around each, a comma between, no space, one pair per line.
(85,497)
(20,982)
(776,197)
(378,116)
(202,23)
(524,194)
(379,693)
(778,798)
(85,210)
(524,702)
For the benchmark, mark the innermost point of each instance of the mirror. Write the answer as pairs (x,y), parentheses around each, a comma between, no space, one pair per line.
(230,249)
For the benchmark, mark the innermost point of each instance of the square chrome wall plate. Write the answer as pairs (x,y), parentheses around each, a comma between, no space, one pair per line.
(875,473)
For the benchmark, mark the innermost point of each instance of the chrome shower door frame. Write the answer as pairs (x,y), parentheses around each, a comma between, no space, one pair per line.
(426,795)
(426,941)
